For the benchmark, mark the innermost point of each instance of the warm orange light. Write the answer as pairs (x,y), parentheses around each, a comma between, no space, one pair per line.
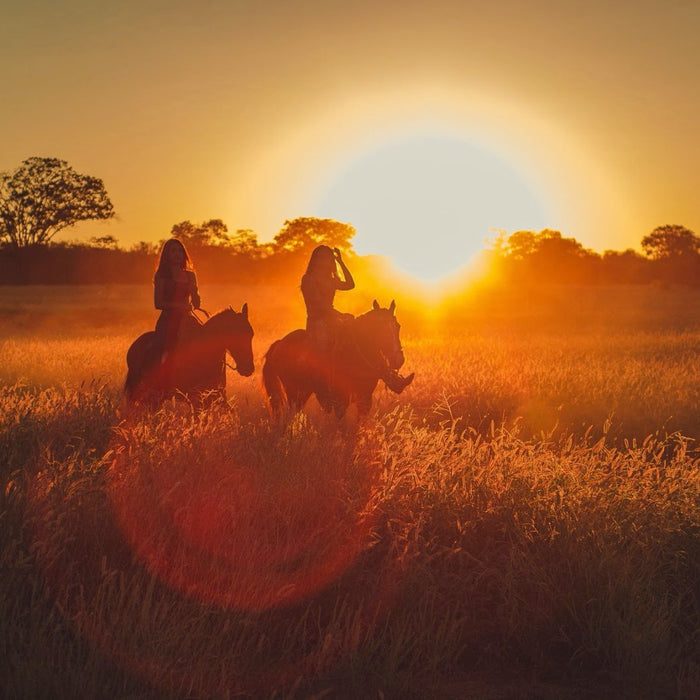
(429,201)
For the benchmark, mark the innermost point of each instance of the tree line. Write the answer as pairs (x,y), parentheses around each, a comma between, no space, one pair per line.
(45,196)
(219,256)
(670,255)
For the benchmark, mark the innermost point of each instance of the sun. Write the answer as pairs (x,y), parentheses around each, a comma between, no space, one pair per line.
(429,201)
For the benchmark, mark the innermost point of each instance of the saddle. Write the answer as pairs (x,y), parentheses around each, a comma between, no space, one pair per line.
(328,336)
(189,328)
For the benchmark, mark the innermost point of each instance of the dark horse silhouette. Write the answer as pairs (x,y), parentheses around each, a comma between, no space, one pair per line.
(197,366)
(365,349)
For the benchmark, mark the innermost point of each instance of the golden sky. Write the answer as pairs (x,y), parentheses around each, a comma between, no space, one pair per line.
(257,112)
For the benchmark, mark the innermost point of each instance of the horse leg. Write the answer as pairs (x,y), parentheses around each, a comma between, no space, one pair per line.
(297,398)
(363,397)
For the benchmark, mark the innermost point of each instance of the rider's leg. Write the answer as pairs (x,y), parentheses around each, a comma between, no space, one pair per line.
(170,323)
(395,381)
(160,338)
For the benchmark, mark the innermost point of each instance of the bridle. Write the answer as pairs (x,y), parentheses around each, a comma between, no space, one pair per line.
(375,367)
(226,362)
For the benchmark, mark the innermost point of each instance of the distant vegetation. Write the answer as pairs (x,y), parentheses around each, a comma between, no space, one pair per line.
(45,196)
(670,256)
(220,256)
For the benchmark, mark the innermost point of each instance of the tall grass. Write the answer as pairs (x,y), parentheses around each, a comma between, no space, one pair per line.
(523,522)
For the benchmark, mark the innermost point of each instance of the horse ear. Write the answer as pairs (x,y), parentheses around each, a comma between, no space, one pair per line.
(375,305)
(244,310)
(392,306)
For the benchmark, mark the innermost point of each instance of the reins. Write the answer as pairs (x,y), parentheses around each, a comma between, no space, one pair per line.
(362,355)
(208,316)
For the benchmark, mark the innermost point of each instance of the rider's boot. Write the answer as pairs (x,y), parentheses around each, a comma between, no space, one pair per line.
(396,382)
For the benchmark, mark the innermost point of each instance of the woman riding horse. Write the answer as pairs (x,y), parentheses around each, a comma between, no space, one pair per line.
(318,287)
(175,294)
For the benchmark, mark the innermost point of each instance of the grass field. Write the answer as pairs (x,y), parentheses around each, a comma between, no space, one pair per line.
(523,521)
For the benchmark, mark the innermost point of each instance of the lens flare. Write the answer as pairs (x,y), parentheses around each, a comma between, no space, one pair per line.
(195,532)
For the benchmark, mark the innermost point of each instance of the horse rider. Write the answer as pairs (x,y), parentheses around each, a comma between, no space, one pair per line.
(175,295)
(325,274)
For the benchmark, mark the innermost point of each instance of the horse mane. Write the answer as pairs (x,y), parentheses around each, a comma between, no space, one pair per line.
(222,319)
(221,314)
(364,321)
(359,335)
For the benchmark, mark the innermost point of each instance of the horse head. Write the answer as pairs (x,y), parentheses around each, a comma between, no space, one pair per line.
(382,334)
(236,334)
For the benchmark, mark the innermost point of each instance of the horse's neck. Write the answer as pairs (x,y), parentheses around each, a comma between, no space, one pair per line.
(190,329)
(357,346)
(211,334)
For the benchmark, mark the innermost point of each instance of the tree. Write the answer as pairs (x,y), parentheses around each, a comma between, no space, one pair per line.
(307,232)
(544,256)
(518,246)
(627,266)
(106,241)
(245,242)
(144,248)
(214,233)
(209,233)
(44,196)
(671,242)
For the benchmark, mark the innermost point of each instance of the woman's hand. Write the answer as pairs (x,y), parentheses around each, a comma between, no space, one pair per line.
(348,282)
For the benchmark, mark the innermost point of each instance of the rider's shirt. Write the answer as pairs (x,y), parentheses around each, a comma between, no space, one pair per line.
(179,294)
(322,319)
(318,292)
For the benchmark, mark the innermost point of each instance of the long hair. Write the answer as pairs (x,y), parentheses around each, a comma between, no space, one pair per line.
(163,268)
(322,261)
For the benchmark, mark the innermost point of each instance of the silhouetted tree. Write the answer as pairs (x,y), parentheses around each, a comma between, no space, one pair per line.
(305,233)
(546,256)
(245,242)
(144,248)
(44,196)
(675,254)
(516,246)
(107,241)
(209,233)
(625,267)
(670,241)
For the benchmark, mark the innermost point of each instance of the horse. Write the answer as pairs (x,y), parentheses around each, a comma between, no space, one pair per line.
(197,365)
(366,348)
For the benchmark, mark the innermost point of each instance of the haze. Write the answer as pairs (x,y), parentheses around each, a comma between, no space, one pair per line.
(250,112)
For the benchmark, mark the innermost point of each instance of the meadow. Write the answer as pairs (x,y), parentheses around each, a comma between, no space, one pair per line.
(523,521)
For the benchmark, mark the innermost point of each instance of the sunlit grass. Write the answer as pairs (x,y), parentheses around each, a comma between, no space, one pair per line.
(523,521)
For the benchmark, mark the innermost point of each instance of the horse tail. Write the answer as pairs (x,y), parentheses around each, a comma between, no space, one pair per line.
(136,358)
(133,377)
(274,388)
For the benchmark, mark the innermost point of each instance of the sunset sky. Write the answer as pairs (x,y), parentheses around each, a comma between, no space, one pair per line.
(427,125)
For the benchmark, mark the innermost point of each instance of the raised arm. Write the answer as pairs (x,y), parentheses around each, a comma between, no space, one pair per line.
(194,292)
(347,282)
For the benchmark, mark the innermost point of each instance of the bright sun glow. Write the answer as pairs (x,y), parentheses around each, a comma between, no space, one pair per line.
(429,201)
